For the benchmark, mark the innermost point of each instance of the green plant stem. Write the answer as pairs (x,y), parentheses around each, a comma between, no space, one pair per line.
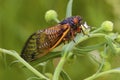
(97,30)
(102,73)
(59,68)
(57,20)
(69,9)
(24,63)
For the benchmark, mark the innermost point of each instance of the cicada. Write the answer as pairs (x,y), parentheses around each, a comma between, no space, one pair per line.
(43,41)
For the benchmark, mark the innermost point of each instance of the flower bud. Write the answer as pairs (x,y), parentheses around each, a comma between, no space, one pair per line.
(107,26)
(50,15)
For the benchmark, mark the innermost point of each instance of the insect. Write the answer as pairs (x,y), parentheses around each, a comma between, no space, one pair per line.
(43,41)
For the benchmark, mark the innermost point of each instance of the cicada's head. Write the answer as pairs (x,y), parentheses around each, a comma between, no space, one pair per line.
(75,23)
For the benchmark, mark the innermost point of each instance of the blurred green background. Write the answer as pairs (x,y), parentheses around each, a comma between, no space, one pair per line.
(20,18)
